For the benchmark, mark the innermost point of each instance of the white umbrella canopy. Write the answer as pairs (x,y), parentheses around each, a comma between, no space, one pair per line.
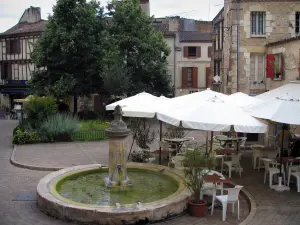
(284,109)
(242,100)
(212,115)
(147,109)
(194,98)
(137,99)
(293,88)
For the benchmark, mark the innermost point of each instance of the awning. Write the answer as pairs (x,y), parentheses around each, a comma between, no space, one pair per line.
(14,90)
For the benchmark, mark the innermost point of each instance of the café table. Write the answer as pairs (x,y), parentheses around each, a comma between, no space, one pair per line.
(177,141)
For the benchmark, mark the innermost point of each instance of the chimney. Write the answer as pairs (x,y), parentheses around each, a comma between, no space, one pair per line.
(145,4)
(31,15)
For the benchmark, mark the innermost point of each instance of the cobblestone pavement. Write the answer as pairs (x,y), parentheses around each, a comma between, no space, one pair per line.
(14,181)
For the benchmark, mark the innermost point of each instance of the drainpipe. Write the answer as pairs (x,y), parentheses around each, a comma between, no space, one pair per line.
(237,45)
(174,49)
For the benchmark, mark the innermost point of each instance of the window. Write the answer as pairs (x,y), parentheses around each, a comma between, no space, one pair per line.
(6,71)
(13,47)
(297,23)
(192,51)
(257,68)
(258,23)
(217,68)
(190,77)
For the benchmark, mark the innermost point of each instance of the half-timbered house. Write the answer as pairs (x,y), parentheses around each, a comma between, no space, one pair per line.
(16,44)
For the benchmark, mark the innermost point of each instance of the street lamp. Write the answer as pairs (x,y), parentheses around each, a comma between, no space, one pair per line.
(214,35)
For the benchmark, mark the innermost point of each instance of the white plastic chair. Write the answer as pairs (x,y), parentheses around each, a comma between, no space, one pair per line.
(294,170)
(215,139)
(271,170)
(234,162)
(256,154)
(231,198)
(243,143)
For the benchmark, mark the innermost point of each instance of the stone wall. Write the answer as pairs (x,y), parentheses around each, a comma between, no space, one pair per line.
(291,54)
(279,24)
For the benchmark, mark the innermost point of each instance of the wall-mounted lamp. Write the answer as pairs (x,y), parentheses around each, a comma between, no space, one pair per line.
(214,35)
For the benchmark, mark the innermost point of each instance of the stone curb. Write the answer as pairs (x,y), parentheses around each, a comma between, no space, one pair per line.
(253,207)
(252,203)
(16,163)
(248,195)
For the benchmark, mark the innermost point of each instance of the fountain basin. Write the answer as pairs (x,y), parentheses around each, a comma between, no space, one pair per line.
(55,199)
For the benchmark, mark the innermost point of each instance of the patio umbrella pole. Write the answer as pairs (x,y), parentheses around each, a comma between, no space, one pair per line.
(134,136)
(281,151)
(206,147)
(211,141)
(160,139)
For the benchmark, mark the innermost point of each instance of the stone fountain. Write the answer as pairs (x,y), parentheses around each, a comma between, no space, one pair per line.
(118,132)
(97,194)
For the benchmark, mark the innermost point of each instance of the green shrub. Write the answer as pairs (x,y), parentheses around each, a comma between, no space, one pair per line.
(93,125)
(139,155)
(39,108)
(24,137)
(24,126)
(174,132)
(87,115)
(59,127)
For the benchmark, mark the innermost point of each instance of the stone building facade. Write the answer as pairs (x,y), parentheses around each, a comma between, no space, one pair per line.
(289,49)
(261,22)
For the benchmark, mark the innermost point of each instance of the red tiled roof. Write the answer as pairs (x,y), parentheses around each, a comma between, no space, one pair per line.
(25,27)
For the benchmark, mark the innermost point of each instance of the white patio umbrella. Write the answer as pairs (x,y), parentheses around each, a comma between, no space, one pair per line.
(195,98)
(242,100)
(283,109)
(212,115)
(142,105)
(146,109)
(293,88)
(137,99)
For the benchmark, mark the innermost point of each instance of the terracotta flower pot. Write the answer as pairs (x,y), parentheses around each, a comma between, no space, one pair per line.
(197,210)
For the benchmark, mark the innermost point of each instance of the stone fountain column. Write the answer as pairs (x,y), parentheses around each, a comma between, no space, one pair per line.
(117,133)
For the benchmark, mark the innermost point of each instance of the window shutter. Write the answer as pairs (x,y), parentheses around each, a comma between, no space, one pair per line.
(195,77)
(18,43)
(208,76)
(185,52)
(198,52)
(209,51)
(184,77)
(7,44)
(282,65)
(270,60)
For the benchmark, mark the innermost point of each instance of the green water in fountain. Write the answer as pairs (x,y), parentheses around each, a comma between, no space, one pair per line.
(89,188)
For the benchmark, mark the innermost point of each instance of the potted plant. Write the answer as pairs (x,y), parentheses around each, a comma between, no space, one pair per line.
(196,165)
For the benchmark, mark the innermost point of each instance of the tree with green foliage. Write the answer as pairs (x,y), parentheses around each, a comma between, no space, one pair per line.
(68,56)
(138,58)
